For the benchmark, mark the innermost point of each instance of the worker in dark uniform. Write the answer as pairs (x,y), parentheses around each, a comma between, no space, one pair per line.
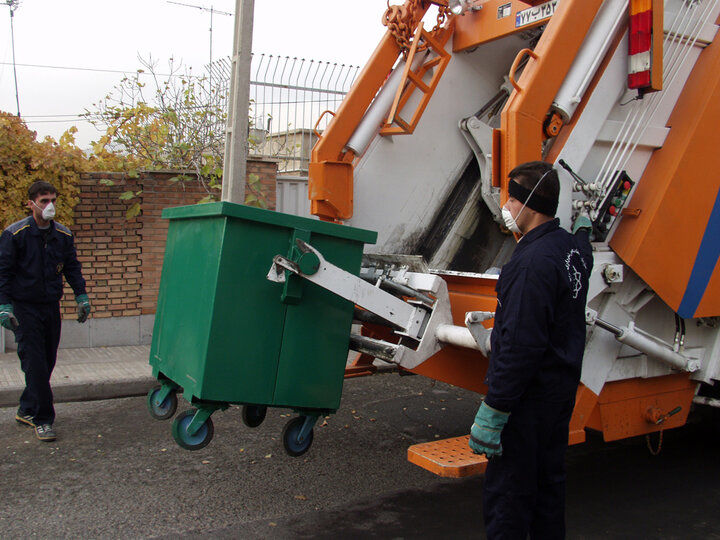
(34,255)
(537,345)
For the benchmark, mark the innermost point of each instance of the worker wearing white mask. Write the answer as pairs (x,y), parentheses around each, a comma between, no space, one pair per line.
(537,345)
(35,254)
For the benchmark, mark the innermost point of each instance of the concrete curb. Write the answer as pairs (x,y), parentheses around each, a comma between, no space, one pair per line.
(84,374)
(86,391)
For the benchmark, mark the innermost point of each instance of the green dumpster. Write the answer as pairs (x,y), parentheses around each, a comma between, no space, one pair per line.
(225,334)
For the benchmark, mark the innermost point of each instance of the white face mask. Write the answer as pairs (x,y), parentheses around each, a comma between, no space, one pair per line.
(509,220)
(48,212)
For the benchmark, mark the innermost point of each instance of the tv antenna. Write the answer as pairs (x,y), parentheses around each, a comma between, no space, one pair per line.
(13,5)
(212,11)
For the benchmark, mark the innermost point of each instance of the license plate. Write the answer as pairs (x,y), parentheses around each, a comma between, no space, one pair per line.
(534,14)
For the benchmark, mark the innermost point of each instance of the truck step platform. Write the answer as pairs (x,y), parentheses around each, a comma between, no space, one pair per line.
(451,458)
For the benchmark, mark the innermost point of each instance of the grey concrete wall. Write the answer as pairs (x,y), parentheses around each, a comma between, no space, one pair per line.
(101,332)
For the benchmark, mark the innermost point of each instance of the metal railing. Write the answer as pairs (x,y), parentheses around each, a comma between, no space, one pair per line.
(287,97)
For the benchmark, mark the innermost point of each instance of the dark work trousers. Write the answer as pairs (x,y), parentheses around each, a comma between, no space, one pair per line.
(37,337)
(524,489)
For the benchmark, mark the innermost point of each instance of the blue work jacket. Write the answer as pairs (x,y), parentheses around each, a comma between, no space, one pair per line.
(31,267)
(538,338)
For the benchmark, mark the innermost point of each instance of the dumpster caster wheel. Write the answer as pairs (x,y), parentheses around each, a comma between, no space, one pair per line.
(200,439)
(164,410)
(291,432)
(253,415)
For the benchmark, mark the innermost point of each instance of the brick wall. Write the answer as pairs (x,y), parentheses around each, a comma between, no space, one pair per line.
(267,172)
(158,193)
(108,247)
(121,258)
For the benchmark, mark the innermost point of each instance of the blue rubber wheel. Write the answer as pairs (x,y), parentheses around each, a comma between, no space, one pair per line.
(293,446)
(253,415)
(191,442)
(164,410)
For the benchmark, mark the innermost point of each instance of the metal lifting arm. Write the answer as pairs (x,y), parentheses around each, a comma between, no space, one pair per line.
(525,113)
(429,327)
(330,183)
(328,276)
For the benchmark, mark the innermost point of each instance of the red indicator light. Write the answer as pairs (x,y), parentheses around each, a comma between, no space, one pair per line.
(626,186)
(612,211)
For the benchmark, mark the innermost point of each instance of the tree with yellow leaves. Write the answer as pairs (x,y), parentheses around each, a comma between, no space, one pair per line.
(24,160)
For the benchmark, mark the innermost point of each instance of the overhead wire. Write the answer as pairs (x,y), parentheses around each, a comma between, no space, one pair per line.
(73,120)
(96,70)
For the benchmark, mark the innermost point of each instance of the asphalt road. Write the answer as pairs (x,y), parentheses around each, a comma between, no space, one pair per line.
(115,472)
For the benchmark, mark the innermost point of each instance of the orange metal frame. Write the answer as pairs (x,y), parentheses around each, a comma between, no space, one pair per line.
(656,73)
(330,174)
(623,407)
(567,129)
(486,24)
(454,365)
(627,408)
(521,134)
(466,368)
(412,80)
(677,195)
(522,120)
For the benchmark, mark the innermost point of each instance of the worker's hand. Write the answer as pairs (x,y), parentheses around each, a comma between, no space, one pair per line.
(83,309)
(485,431)
(7,318)
(582,222)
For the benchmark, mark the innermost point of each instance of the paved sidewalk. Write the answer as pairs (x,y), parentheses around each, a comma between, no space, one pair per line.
(95,373)
(84,374)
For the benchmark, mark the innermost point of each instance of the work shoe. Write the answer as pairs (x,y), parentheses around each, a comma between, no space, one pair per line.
(45,432)
(24,419)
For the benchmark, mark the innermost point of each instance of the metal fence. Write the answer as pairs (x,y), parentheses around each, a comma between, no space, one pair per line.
(287,98)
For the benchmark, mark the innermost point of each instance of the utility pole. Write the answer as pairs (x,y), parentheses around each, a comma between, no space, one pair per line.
(236,133)
(14,4)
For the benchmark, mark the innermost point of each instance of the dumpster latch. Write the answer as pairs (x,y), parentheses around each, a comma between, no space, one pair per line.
(279,265)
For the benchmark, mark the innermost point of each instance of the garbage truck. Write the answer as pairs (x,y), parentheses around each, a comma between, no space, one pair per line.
(622,97)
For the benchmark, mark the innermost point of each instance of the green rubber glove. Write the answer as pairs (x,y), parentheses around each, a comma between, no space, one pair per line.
(485,431)
(583,221)
(7,318)
(83,309)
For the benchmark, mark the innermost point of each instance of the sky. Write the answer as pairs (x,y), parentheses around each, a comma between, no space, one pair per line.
(109,35)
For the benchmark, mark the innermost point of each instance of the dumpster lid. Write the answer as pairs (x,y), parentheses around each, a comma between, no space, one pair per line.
(270,217)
